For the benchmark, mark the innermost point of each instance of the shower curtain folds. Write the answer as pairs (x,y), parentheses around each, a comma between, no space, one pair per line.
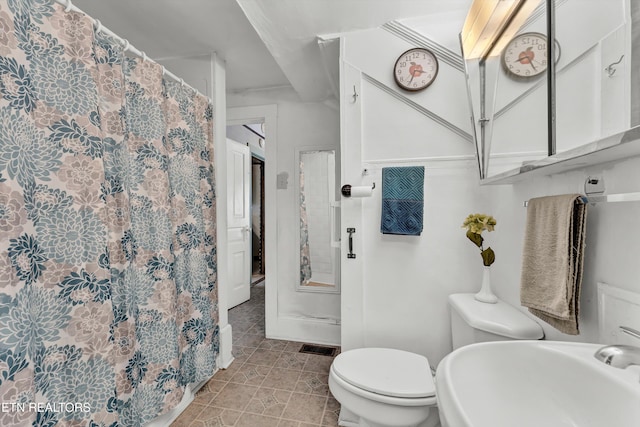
(108,293)
(127,46)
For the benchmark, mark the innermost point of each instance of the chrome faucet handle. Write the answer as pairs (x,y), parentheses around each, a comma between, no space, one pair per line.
(619,356)
(630,331)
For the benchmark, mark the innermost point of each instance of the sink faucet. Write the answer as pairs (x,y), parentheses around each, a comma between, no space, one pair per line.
(620,356)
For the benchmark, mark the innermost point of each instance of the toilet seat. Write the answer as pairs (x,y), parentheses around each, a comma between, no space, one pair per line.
(392,373)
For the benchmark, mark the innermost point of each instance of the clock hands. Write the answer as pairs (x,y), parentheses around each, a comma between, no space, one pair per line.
(415,70)
(416,73)
(531,60)
(526,57)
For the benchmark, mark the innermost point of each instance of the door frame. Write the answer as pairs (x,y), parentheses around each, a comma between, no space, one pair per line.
(267,114)
(255,160)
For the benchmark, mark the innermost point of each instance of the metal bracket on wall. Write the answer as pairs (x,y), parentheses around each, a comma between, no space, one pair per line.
(351,255)
(594,185)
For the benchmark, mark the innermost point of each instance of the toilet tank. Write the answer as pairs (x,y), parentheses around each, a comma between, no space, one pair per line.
(473,321)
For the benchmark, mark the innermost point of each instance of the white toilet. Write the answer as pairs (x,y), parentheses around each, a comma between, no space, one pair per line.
(383,387)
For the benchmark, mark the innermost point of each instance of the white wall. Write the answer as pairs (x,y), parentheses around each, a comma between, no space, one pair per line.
(407,279)
(395,291)
(589,103)
(302,316)
(398,295)
(612,244)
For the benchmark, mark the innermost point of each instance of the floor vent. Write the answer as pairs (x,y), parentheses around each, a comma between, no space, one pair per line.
(318,349)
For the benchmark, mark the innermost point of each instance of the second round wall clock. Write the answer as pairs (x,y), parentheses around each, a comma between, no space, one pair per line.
(525,56)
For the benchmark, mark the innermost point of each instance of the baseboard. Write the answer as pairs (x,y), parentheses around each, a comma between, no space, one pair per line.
(226,345)
(306,329)
(229,362)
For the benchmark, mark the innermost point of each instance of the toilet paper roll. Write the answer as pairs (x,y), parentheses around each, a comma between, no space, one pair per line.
(363,191)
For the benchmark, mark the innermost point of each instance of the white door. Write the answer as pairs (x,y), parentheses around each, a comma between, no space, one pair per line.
(239,221)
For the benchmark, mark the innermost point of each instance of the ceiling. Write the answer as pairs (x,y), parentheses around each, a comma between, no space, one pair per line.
(265,43)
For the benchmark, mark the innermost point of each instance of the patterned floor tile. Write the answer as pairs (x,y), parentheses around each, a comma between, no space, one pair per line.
(254,420)
(208,391)
(293,346)
(264,357)
(268,401)
(227,374)
(305,408)
(282,379)
(316,363)
(250,340)
(269,383)
(313,383)
(275,345)
(241,327)
(241,354)
(217,417)
(250,374)
(256,330)
(331,413)
(234,396)
(188,415)
(289,360)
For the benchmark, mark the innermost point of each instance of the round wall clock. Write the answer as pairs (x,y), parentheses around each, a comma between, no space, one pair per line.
(525,56)
(415,69)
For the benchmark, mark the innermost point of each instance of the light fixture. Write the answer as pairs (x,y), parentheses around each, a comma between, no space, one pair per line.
(486,22)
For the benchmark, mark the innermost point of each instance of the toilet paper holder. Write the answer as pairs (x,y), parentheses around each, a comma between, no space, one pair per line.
(346,189)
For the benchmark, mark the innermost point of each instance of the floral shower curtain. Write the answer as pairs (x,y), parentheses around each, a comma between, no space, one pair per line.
(108,299)
(305,257)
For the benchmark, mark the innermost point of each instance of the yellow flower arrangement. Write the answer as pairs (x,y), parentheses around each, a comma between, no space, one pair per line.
(475,225)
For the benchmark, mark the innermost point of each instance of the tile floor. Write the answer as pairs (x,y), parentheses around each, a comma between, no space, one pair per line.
(269,384)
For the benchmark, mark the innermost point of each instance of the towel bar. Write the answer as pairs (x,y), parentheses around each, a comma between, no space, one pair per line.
(621,197)
(584,200)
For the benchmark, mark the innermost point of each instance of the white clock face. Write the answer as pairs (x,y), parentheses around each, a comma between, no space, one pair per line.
(526,55)
(415,69)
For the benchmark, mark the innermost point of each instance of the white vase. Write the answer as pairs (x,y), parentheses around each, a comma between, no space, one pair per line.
(485,294)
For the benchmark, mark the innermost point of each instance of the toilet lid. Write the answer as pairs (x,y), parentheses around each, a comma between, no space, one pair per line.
(386,371)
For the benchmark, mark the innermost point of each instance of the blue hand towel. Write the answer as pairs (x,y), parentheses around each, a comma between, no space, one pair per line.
(402,200)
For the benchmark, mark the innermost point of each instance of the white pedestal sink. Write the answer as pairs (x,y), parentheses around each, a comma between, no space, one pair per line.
(535,384)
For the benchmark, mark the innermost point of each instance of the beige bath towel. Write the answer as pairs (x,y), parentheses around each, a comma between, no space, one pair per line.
(552,260)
